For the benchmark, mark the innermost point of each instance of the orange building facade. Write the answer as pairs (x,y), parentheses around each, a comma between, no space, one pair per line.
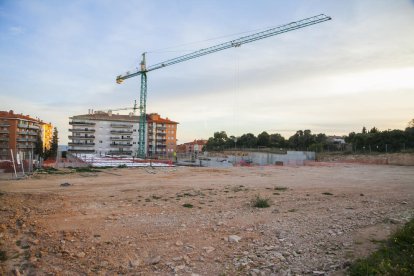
(19,133)
(162,136)
(192,147)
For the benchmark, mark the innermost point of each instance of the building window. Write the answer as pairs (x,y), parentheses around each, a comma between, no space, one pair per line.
(100,142)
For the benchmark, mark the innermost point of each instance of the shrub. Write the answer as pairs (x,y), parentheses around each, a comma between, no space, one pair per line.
(395,256)
(3,256)
(260,202)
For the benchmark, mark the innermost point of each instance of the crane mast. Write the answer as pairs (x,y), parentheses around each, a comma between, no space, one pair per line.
(230,44)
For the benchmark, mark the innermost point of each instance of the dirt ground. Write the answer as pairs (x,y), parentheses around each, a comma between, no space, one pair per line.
(133,222)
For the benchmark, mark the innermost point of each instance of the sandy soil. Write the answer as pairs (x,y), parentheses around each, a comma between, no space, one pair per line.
(132,221)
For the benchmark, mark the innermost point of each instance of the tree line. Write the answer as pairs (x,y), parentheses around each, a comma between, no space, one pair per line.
(364,141)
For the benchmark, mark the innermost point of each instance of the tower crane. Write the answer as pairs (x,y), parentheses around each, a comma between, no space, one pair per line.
(233,43)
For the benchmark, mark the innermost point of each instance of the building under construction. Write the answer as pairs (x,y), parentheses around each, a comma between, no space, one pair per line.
(105,133)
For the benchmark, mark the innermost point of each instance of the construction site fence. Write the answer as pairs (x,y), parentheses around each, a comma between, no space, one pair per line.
(18,164)
(82,160)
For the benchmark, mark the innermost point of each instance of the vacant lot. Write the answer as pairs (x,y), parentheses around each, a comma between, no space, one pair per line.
(132,221)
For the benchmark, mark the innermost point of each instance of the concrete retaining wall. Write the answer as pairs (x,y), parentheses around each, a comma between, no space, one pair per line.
(261,158)
(400,159)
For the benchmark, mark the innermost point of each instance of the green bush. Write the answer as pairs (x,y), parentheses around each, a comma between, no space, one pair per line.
(395,256)
(3,256)
(260,202)
(86,169)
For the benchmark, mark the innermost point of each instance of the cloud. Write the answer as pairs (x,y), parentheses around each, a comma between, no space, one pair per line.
(63,59)
(16,30)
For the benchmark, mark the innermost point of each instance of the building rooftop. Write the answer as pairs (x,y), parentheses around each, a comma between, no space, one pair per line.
(196,142)
(11,115)
(104,116)
(108,116)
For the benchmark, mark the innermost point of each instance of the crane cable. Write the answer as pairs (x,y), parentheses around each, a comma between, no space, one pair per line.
(236,89)
(167,49)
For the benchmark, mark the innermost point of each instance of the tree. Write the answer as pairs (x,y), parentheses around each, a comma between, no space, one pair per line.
(52,152)
(231,142)
(38,150)
(364,130)
(301,140)
(248,140)
(277,141)
(308,138)
(218,141)
(321,138)
(294,140)
(409,136)
(263,139)
(373,130)
(411,123)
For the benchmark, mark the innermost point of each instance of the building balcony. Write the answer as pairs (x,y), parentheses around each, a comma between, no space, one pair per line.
(120,145)
(4,131)
(81,137)
(121,126)
(81,144)
(20,146)
(4,139)
(4,124)
(121,131)
(82,130)
(161,140)
(26,139)
(162,133)
(28,126)
(120,138)
(79,123)
(32,133)
(81,150)
(161,128)
(34,127)
(122,152)
(161,146)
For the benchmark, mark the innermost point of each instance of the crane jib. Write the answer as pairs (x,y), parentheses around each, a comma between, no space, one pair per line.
(235,43)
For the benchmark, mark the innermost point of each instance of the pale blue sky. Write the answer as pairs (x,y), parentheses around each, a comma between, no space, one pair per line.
(60,58)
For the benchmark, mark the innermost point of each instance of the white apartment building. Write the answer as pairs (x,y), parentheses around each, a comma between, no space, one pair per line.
(113,134)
